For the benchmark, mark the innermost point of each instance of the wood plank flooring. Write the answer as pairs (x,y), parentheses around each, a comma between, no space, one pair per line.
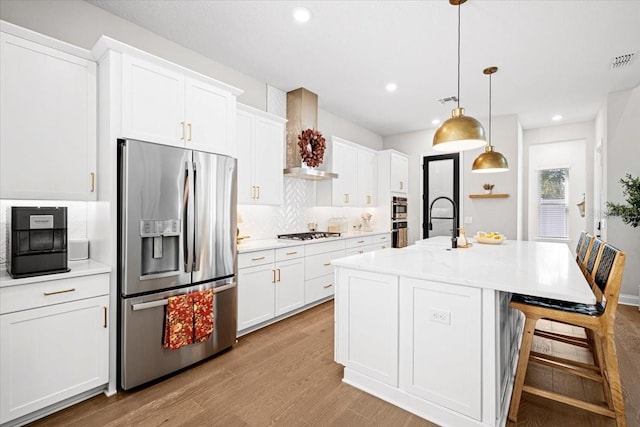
(284,375)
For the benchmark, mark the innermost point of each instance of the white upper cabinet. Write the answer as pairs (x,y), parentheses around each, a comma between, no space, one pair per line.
(163,105)
(367,177)
(47,117)
(356,169)
(260,151)
(393,173)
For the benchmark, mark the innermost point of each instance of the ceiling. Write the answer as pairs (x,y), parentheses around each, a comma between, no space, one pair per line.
(553,57)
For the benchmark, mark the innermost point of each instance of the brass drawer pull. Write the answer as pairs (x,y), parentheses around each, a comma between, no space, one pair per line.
(46,294)
(105,317)
(190,131)
(360,241)
(257,259)
(326,264)
(93,181)
(292,253)
(328,286)
(182,127)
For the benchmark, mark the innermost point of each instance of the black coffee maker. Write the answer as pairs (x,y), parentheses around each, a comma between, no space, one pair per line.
(37,243)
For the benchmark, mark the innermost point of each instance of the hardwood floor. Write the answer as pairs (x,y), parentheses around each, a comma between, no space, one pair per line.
(285,375)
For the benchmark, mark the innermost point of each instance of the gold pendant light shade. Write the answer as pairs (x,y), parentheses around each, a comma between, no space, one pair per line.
(459,133)
(490,161)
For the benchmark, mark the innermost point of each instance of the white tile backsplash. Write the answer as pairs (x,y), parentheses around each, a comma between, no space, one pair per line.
(296,212)
(76,219)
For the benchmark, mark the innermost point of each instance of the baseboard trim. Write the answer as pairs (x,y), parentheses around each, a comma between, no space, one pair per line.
(629,299)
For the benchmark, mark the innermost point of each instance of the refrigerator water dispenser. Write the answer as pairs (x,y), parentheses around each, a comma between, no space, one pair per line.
(160,246)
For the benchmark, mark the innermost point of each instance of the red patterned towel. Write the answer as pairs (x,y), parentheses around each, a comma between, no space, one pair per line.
(178,330)
(202,315)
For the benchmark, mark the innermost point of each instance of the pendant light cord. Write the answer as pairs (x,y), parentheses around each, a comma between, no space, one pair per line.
(458,54)
(490,75)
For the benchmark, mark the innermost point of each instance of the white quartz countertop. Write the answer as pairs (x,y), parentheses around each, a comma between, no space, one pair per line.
(532,268)
(262,244)
(78,268)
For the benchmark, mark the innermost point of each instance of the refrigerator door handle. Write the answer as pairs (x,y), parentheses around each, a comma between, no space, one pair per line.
(189,215)
(196,226)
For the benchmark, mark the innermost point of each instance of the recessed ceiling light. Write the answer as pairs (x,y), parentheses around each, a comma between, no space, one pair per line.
(556,117)
(301,14)
(435,121)
(391,87)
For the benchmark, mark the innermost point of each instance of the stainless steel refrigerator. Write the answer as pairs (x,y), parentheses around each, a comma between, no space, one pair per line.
(177,235)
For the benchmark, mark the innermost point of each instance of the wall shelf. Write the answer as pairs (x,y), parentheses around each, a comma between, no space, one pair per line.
(488,196)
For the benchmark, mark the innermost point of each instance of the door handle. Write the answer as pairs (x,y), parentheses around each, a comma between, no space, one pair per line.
(188,209)
(104,324)
(258,187)
(274,276)
(190,131)
(182,130)
(278,274)
(64,291)
(93,181)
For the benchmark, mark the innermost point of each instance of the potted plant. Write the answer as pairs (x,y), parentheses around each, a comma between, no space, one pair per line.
(630,212)
(487,188)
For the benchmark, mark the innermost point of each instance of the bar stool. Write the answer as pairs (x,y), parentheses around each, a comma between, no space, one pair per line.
(598,319)
(581,237)
(581,259)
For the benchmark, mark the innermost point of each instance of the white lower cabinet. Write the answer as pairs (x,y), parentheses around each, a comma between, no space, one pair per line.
(269,284)
(55,351)
(441,324)
(367,339)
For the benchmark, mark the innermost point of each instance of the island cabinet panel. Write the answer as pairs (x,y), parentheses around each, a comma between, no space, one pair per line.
(440,336)
(367,307)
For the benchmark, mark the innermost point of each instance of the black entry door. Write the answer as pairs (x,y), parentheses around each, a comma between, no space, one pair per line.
(441,177)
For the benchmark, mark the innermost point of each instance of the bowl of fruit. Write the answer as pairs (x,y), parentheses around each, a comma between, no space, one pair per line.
(492,238)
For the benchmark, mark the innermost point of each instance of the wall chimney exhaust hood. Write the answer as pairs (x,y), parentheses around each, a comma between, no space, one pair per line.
(302,114)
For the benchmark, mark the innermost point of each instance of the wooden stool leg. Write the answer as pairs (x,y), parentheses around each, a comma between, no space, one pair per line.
(613,377)
(598,359)
(521,370)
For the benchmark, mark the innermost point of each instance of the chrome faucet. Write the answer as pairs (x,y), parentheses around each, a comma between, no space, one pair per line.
(454,230)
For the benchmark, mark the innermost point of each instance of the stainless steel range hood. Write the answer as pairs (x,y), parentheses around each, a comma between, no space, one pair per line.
(302,114)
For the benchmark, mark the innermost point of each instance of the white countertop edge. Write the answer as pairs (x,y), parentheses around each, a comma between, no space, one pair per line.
(81,268)
(264,244)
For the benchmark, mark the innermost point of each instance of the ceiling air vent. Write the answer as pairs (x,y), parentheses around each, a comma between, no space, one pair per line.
(622,60)
(452,98)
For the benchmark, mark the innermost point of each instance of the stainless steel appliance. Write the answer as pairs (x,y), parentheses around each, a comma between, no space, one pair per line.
(308,235)
(177,226)
(37,241)
(399,228)
(399,234)
(398,208)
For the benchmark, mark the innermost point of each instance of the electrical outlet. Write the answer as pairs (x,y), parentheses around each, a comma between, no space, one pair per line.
(468,219)
(440,316)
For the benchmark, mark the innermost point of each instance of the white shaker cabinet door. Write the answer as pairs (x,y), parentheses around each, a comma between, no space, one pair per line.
(289,285)
(255,295)
(152,103)
(244,152)
(399,173)
(48,122)
(268,162)
(209,118)
(345,163)
(367,178)
(52,353)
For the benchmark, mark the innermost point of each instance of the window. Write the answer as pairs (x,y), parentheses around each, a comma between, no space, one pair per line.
(552,203)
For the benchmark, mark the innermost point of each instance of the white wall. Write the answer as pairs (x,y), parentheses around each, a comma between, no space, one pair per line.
(623,156)
(487,214)
(332,125)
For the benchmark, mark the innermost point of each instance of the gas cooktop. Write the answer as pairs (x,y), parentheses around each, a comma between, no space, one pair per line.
(311,235)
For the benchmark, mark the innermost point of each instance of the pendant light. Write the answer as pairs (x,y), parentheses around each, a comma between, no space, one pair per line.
(490,161)
(460,132)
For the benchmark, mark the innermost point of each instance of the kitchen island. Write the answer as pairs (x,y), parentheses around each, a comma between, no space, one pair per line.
(429,328)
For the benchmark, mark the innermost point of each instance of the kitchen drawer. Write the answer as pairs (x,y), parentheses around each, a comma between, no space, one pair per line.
(318,248)
(359,241)
(289,253)
(357,251)
(382,238)
(318,288)
(250,259)
(319,265)
(41,294)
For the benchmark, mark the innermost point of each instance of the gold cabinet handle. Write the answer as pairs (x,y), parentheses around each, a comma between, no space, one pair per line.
(326,264)
(278,274)
(258,187)
(104,324)
(257,259)
(274,276)
(182,127)
(346,197)
(292,253)
(93,181)
(401,185)
(253,191)
(64,291)
(328,286)
(190,131)
(360,241)
(368,200)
